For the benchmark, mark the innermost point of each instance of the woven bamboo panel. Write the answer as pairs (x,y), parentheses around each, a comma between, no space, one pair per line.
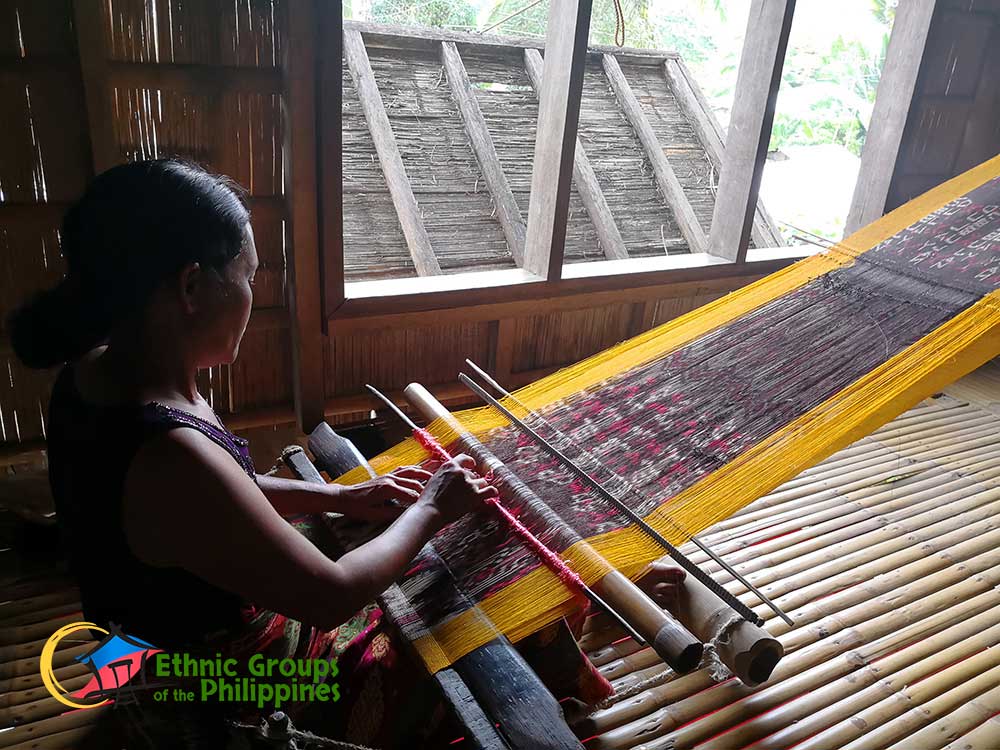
(561,338)
(44,161)
(390,359)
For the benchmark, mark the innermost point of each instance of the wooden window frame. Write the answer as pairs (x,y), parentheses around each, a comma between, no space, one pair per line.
(541,273)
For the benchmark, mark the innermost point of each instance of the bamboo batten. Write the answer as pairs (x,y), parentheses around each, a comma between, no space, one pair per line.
(726,704)
(872,571)
(951,726)
(27,735)
(843,697)
(893,719)
(892,585)
(984,737)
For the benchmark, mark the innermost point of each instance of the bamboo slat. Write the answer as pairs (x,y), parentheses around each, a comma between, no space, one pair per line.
(891,578)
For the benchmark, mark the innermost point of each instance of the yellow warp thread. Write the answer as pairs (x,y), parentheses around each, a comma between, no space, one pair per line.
(954,349)
(686,328)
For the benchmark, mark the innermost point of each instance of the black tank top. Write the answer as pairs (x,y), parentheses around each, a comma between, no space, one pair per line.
(90,449)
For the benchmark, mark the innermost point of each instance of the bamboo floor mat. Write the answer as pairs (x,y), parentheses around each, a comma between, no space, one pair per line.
(887,557)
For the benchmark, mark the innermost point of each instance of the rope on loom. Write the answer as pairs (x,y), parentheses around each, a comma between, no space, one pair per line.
(718,671)
(550,558)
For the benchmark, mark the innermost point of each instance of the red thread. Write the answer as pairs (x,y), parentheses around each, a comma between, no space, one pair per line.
(550,558)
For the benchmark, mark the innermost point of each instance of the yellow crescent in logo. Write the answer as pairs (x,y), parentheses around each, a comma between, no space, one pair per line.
(56,690)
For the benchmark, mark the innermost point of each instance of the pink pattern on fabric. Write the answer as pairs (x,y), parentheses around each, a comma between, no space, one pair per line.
(550,558)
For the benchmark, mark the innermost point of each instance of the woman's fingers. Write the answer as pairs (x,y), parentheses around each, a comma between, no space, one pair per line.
(402,492)
(665,571)
(410,484)
(465,461)
(412,472)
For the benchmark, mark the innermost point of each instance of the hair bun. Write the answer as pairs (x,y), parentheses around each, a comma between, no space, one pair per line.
(55,326)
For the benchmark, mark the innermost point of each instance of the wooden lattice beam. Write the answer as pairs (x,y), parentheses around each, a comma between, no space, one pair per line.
(417,240)
(910,31)
(750,124)
(584,178)
(555,138)
(765,232)
(300,157)
(508,213)
(666,180)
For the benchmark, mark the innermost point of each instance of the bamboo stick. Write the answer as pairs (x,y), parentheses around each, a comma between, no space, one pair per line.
(66,653)
(953,725)
(59,741)
(28,733)
(984,737)
(798,671)
(924,505)
(860,558)
(839,603)
(867,494)
(14,634)
(933,697)
(791,684)
(22,697)
(853,587)
(23,605)
(31,617)
(34,679)
(839,699)
(762,509)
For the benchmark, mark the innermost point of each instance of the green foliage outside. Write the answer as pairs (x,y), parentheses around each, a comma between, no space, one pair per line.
(830,75)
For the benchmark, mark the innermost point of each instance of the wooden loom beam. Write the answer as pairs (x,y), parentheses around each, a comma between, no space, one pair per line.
(666,180)
(555,139)
(306,311)
(417,240)
(757,84)
(519,703)
(584,177)
(910,33)
(696,108)
(508,213)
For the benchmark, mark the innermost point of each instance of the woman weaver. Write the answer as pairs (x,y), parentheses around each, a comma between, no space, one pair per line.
(172,534)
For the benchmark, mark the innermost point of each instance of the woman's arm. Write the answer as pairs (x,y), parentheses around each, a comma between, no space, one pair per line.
(188,504)
(379,499)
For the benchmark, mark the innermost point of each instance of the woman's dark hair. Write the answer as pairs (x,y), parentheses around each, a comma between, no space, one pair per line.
(135,226)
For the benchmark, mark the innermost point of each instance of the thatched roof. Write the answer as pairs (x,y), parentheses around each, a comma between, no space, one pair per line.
(456,206)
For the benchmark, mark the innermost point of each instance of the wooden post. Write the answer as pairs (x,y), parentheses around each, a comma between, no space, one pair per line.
(666,180)
(299,104)
(585,178)
(699,112)
(482,145)
(555,141)
(750,126)
(910,32)
(417,240)
(330,144)
(89,19)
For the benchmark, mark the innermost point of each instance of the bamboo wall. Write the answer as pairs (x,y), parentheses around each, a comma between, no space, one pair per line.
(196,80)
(147,78)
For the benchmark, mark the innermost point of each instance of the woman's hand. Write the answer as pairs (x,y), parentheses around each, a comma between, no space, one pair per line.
(661,581)
(455,489)
(382,498)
